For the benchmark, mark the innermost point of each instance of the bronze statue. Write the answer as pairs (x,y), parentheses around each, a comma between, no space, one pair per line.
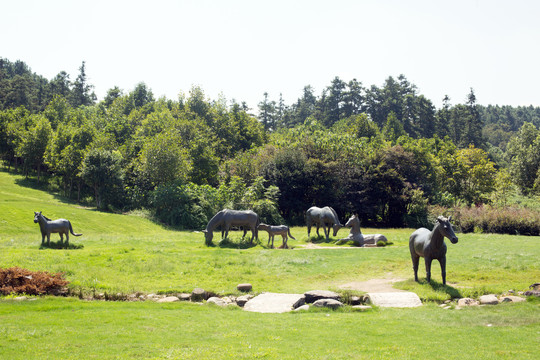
(430,245)
(325,217)
(227,218)
(48,226)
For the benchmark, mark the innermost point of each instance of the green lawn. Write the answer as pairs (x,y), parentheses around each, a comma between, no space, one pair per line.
(129,253)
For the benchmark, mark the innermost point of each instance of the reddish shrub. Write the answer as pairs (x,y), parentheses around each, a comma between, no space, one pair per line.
(22,281)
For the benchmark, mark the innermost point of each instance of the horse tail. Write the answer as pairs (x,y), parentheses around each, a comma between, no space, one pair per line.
(289,232)
(71,230)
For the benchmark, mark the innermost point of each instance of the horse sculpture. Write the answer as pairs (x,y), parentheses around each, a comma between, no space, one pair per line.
(274,230)
(49,226)
(325,217)
(227,218)
(356,234)
(430,245)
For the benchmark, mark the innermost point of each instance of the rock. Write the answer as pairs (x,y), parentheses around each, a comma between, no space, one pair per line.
(511,298)
(395,299)
(532,293)
(216,301)
(304,307)
(314,295)
(20,298)
(356,300)
(362,307)
(328,303)
(488,300)
(467,302)
(274,303)
(227,300)
(535,286)
(242,300)
(184,297)
(244,287)
(198,294)
(168,299)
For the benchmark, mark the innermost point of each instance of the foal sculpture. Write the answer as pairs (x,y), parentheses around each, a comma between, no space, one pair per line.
(48,226)
(227,218)
(325,217)
(274,230)
(430,245)
(357,237)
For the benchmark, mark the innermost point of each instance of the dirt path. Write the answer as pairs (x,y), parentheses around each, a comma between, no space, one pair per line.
(315,246)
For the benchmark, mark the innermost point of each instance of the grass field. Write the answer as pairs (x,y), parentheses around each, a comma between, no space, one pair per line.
(129,253)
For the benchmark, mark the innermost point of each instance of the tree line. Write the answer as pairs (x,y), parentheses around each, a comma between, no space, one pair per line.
(385,152)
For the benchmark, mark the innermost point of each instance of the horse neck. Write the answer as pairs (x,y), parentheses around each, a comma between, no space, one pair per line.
(437,238)
(42,221)
(215,221)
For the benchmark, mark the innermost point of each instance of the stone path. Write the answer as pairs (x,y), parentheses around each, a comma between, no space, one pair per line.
(395,299)
(274,303)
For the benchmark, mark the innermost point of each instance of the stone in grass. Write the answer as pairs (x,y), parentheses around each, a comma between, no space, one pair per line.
(304,307)
(328,303)
(488,300)
(244,287)
(467,302)
(242,300)
(314,295)
(216,301)
(361,307)
(511,298)
(184,297)
(168,299)
(198,294)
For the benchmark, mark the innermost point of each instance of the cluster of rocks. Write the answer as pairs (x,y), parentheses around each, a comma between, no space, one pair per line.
(490,299)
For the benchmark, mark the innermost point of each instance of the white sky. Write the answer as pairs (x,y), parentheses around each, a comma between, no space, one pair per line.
(244,48)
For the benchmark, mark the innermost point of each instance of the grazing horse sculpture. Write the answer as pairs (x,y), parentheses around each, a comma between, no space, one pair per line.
(227,218)
(356,234)
(325,217)
(430,245)
(274,230)
(49,226)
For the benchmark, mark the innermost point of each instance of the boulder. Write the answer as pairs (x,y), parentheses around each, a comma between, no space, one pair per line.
(304,307)
(314,295)
(488,300)
(244,287)
(467,302)
(511,298)
(362,307)
(242,300)
(328,303)
(274,303)
(184,297)
(168,299)
(216,301)
(198,294)
(356,300)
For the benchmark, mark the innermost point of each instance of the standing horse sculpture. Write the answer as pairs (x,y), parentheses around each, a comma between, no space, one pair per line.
(325,217)
(48,226)
(430,245)
(274,230)
(227,218)
(356,234)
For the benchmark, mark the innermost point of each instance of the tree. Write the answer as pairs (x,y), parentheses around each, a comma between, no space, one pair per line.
(523,154)
(34,143)
(102,171)
(81,93)
(475,175)
(392,129)
(267,113)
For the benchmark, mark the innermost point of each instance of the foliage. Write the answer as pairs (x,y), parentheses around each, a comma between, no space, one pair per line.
(15,280)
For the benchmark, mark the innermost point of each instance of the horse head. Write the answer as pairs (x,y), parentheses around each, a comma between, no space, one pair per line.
(36,216)
(208,235)
(352,220)
(336,228)
(446,229)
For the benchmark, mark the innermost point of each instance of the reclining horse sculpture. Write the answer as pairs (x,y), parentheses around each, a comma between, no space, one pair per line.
(325,217)
(430,245)
(356,234)
(227,218)
(48,226)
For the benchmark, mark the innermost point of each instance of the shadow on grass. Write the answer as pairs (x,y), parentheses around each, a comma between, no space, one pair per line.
(321,240)
(439,287)
(59,245)
(228,243)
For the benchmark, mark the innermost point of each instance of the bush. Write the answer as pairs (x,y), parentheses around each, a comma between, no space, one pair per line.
(16,280)
(487,219)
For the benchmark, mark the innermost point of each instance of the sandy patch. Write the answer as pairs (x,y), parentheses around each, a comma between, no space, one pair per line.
(373,285)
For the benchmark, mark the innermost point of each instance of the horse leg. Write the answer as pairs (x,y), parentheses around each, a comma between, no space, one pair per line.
(48,239)
(428,268)
(61,238)
(415,261)
(318,230)
(43,238)
(326,231)
(442,261)
(285,238)
(67,239)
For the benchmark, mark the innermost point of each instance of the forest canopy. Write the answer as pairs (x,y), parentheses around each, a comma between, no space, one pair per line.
(384,152)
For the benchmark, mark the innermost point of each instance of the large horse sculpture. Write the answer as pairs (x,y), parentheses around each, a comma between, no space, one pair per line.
(48,226)
(227,218)
(430,245)
(357,237)
(325,217)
